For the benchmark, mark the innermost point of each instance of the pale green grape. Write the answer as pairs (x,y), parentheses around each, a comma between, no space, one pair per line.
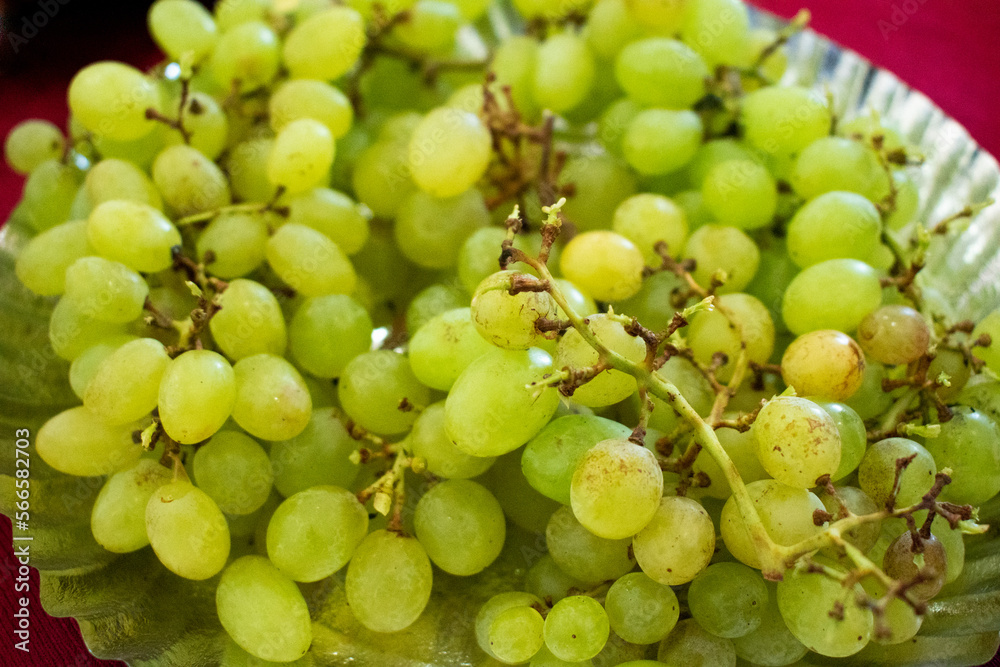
(431,26)
(105,290)
(431,302)
(334,214)
(834,163)
(899,618)
(742,449)
(85,365)
(77,442)
(263,611)
(786,513)
(719,30)
(907,201)
(647,219)
(604,264)
(234,471)
(443,347)
(250,321)
(832,226)
(858,502)
(661,72)
(449,152)
(990,326)
(140,152)
(205,122)
(583,555)
(984,397)
(382,177)
(738,320)
(388,581)
(308,98)
(118,179)
(717,248)
(372,387)
(272,402)
(247,169)
(302,155)
(544,658)
(969,444)
(521,503)
(309,261)
(71,332)
(661,141)
(490,410)
(429,441)
(182,28)
(319,455)
(188,532)
(954,365)
(741,193)
(110,99)
(547,581)
(41,264)
(564,72)
(616,488)
(616,118)
(197,394)
(610,26)
(126,385)
(461,525)
(853,438)
(189,182)
(137,235)
(824,363)
(835,294)
(493,608)
(870,401)
(602,183)
(640,610)
(784,120)
(877,471)
(327,332)
(314,533)
(430,232)
(236,241)
(32,142)
(517,634)
(806,600)
(894,335)
(728,599)
(677,544)
(479,256)
(246,57)
(506,320)
(576,628)
(118,519)
(771,644)
(714,153)
(693,387)
(326,45)
(49,194)
(690,644)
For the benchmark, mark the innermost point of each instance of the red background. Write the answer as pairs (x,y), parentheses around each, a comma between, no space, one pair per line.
(945,48)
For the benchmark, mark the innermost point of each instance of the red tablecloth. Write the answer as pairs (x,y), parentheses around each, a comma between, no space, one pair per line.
(944,48)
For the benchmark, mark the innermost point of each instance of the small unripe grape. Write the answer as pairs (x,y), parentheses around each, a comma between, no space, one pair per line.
(31,143)
(894,335)
(825,363)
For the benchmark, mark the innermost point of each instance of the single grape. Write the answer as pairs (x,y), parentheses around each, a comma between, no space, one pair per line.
(326,45)
(741,193)
(677,544)
(272,402)
(576,628)
(318,456)
(206,123)
(112,179)
(564,72)
(509,320)
(853,437)
(956,368)
(870,401)
(125,386)
(32,142)
(137,235)
(661,141)
(430,442)
(824,363)
(517,634)
(641,610)
(197,394)
(71,332)
(382,177)
(785,119)
(110,99)
(604,264)
(461,525)
(247,168)
(373,387)
(728,599)
(309,98)
(310,262)
(723,252)
(719,30)
(877,472)
(661,72)
(249,322)
(430,232)
(969,444)
(182,28)
(894,335)
(834,225)
(328,331)
(835,294)
(449,152)
(648,219)
(234,471)
(771,644)
(118,518)
(189,182)
(581,554)
(546,580)
(689,644)
(388,581)
(77,442)
(41,264)
(188,532)
(602,183)
(857,502)
(443,347)
(845,165)
(246,57)
(493,608)
(738,321)
(806,600)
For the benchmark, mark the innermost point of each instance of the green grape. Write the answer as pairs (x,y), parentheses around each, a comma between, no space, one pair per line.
(137,235)
(493,608)
(899,619)
(824,363)
(310,262)
(182,28)
(983,396)
(461,525)
(231,13)
(677,544)
(540,8)
(514,64)
(969,444)
(48,195)
(654,305)
(868,127)
(374,385)
(853,437)
(506,320)
(583,555)
(112,179)
(516,635)
(576,628)
(72,332)
(989,326)
(771,644)
(742,449)
(188,532)
(246,57)
(443,347)
(206,123)
(140,152)
(870,401)
(314,533)
(272,402)
(326,45)
(327,332)
(611,26)
(544,658)
(719,30)
(491,410)
(118,519)
(648,219)
(660,72)
(602,184)
(247,169)
(728,599)
(877,472)
(334,214)
(249,322)
(105,290)
(693,387)
(430,232)
(616,118)
(110,99)
(579,301)
(479,256)
(449,152)
(41,264)
(955,366)
(717,248)
(388,581)
(894,335)
(834,163)
(737,320)
(77,442)
(263,611)
(786,513)
(551,457)
(236,241)
(616,488)
(832,226)
(858,502)
(429,441)
(689,644)
(197,394)
(741,193)
(126,385)
(547,581)
(319,455)
(32,142)
(604,264)
(521,503)
(661,141)
(714,153)
(806,600)
(431,27)
(189,182)
(85,365)
(640,610)
(431,302)
(233,655)
(301,157)
(835,294)
(234,471)
(382,177)
(907,201)
(782,120)
(308,98)
(564,72)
